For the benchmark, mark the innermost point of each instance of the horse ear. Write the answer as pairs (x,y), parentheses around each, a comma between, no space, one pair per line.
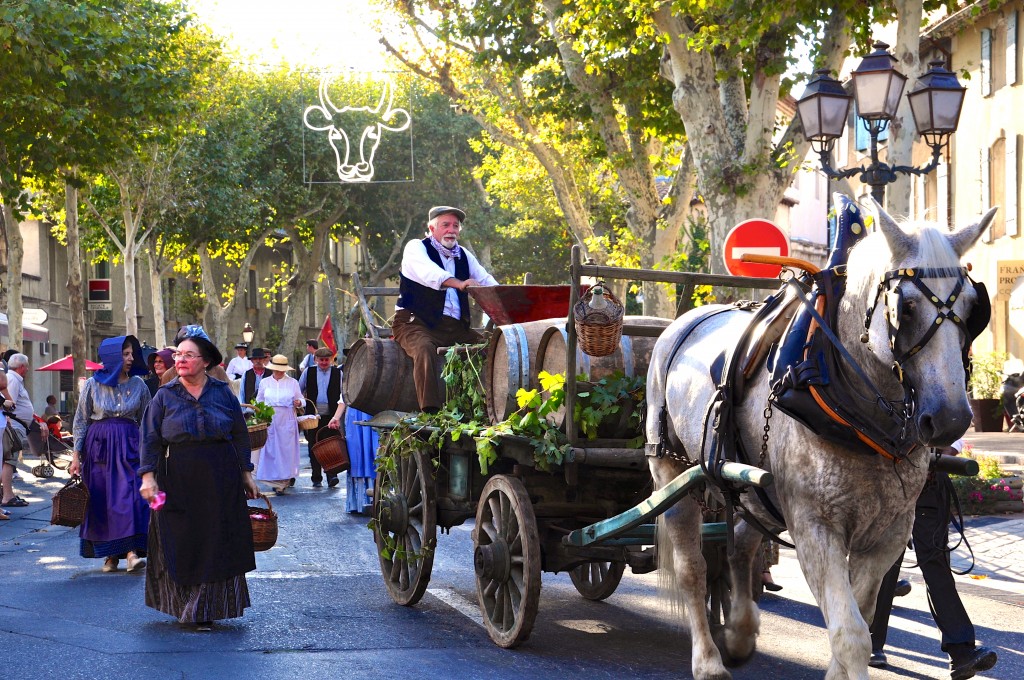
(899,242)
(964,239)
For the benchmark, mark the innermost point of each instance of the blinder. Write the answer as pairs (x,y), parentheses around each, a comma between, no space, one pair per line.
(891,288)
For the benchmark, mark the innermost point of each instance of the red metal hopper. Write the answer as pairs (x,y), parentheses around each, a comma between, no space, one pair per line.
(519,304)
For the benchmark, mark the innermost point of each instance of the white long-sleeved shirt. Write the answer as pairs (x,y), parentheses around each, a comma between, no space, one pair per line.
(417,266)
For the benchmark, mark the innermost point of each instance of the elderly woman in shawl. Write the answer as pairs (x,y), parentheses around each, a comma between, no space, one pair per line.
(106,454)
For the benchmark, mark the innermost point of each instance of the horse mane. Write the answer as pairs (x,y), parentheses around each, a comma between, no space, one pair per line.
(924,244)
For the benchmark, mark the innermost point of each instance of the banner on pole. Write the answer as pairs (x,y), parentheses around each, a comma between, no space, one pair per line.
(327,335)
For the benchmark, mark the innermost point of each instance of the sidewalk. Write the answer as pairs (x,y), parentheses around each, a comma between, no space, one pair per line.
(997,540)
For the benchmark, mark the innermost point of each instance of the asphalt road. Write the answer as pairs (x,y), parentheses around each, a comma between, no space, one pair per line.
(320,610)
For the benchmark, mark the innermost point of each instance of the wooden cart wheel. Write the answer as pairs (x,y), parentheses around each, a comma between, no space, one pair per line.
(506,559)
(405,510)
(597,580)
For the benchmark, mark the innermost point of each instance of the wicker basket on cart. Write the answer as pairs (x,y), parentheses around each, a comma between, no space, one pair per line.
(264,525)
(331,451)
(308,422)
(599,330)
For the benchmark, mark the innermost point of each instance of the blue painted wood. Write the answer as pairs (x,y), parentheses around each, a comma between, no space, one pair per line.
(660,501)
(713,532)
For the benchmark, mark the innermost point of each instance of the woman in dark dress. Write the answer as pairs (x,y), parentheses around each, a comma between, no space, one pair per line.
(195,448)
(159,361)
(106,454)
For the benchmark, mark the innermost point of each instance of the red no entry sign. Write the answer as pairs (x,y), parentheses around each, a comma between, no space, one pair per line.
(759,237)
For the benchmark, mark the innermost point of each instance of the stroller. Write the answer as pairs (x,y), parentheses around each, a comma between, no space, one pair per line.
(1017,416)
(52,446)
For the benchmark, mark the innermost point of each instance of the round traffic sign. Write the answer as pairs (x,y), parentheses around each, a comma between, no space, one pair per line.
(755,236)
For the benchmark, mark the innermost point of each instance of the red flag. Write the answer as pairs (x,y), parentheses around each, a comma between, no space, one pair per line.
(327,335)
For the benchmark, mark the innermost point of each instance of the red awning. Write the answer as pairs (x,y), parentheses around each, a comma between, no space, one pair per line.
(68,364)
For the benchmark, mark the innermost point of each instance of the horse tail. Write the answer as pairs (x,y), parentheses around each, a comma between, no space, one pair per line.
(669,591)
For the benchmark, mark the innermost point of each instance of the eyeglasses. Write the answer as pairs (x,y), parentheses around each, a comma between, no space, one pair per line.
(185,356)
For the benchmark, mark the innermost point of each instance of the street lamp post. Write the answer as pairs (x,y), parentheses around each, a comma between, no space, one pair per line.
(248,334)
(825,107)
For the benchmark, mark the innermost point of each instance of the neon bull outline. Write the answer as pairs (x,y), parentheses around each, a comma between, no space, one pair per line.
(333,118)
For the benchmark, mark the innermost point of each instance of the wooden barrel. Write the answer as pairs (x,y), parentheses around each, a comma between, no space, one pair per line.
(512,364)
(378,377)
(632,356)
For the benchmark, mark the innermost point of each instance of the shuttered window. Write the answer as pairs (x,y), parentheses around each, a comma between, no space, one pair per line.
(984,196)
(942,192)
(1012,188)
(986,62)
(1011,49)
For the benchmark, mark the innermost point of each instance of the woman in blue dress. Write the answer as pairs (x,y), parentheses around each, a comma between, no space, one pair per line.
(106,454)
(195,449)
(362,445)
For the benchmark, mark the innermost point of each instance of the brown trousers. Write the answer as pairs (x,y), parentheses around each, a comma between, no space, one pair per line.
(420,342)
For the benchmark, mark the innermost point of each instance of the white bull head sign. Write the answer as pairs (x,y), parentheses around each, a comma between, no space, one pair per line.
(355,131)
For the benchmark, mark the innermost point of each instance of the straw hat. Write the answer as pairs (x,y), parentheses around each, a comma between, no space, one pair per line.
(279,363)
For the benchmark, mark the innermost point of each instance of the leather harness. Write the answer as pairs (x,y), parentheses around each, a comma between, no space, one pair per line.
(814,378)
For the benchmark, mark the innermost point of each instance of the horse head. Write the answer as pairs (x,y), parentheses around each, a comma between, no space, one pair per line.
(918,313)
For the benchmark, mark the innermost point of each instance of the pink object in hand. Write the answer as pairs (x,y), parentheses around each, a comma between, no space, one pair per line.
(157,501)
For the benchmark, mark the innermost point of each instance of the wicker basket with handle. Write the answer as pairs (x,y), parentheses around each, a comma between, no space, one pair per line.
(70,503)
(308,422)
(331,451)
(257,433)
(257,436)
(264,525)
(599,330)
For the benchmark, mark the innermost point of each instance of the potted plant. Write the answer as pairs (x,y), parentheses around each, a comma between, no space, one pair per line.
(258,417)
(992,491)
(986,386)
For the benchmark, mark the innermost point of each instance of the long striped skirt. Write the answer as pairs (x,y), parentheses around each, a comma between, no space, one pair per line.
(225,599)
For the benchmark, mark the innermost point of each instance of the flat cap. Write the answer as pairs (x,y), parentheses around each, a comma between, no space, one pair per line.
(439,210)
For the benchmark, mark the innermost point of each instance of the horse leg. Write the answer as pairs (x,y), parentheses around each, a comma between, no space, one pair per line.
(867,571)
(744,620)
(679,533)
(824,563)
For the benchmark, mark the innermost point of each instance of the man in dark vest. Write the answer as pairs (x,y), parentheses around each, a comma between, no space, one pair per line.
(321,383)
(433,307)
(251,378)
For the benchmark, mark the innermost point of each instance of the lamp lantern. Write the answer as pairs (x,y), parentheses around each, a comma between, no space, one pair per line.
(247,334)
(936,103)
(877,85)
(823,110)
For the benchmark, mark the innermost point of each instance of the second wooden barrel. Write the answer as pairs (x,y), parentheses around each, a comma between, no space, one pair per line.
(512,364)
(632,356)
(378,377)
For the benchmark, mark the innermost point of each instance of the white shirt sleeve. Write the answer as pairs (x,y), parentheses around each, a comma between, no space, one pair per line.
(417,266)
(476,270)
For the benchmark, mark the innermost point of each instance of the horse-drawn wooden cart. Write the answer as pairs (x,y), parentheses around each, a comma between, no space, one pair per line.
(592,515)
(864,373)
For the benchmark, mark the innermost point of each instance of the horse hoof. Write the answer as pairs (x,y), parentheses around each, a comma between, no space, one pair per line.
(731,660)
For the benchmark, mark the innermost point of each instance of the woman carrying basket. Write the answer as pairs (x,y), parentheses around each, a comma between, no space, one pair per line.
(106,454)
(279,462)
(196,450)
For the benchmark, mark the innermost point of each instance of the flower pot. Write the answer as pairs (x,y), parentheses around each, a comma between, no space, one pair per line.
(988,415)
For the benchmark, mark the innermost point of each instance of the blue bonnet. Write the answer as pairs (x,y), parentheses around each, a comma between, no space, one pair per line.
(110,356)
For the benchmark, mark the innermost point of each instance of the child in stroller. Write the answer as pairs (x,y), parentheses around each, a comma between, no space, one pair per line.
(50,444)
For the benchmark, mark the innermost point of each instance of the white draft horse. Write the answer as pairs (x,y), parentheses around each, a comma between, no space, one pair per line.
(849,513)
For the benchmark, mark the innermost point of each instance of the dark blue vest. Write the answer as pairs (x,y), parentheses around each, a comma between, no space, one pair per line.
(428,304)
